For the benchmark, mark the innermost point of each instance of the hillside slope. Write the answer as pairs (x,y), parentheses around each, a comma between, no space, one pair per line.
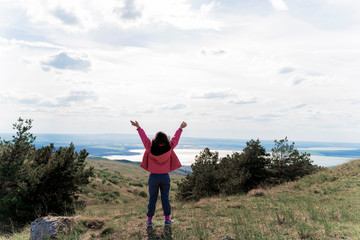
(325,205)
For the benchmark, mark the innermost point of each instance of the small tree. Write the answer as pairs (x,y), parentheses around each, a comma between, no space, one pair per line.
(232,174)
(36,182)
(203,181)
(241,172)
(288,163)
(236,173)
(256,162)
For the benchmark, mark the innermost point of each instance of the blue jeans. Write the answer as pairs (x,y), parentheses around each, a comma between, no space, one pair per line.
(156,182)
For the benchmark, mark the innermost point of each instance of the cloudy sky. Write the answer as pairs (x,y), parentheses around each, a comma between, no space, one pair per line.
(231,68)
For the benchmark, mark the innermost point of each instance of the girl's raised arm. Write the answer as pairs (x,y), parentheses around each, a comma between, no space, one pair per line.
(183,125)
(145,140)
(135,124)
(175,139)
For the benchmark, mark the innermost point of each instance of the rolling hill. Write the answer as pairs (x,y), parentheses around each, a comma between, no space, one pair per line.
(324,205)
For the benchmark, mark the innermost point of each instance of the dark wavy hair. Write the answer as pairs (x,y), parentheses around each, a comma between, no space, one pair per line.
(160,144)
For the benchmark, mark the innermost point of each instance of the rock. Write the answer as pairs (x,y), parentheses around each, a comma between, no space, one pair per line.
(50,227)
(228,238)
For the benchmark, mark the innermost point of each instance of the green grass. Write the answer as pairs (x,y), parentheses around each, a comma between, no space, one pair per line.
(321,206)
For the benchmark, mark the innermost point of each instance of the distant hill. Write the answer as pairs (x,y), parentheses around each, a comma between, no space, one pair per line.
(99,145)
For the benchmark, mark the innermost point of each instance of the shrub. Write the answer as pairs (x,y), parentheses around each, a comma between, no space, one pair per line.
(143,194)
(241,172)
(244,171)
(113,180)
(37,182)
(107,231)
(288,164)
(203,181)
(136,184)
(109,196)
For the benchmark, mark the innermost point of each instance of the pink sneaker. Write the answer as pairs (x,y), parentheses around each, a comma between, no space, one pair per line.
(149,223)
(168,222)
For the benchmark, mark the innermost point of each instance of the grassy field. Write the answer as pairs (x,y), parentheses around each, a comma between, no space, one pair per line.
(325,205)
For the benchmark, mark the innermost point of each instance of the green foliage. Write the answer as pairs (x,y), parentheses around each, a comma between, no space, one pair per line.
(288,164)
(204,178)
(245,171)
(281,213)
(136,184)
(107,231)
(108,197)
(241,172)
(143,194)
(106,175)
(37,182)
(233,174)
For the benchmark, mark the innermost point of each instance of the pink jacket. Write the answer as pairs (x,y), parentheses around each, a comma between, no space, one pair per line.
(164,163)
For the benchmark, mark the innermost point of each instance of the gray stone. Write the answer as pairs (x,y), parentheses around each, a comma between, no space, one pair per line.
(49,227)
(228,238)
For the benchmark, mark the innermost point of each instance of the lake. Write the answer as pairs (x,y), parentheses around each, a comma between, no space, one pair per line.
(130,147)
(187,157)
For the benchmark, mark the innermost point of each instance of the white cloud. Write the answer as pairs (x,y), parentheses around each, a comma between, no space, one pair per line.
(40,101)
(174,106)
(32,44)
(244,101)
(285,70)
(279,5)
(204,51)
(308,79)
(129,11)
(268,116)
(68,60)
(66,17)
(179,13)
(207,8)
(11,97)
(355,101)
(78,96)
(302,105)
(223,63)
(215,94)
(230,96)
(296,80)
(83,15)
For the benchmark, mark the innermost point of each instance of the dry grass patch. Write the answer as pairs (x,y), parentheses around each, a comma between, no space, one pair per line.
(257,192)
(206,202)
(93,223)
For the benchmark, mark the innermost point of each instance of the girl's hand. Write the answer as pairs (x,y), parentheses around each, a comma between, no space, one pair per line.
(183,125)
(135,124)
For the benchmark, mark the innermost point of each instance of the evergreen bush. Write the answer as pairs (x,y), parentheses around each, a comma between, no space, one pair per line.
(288,164)
(37,182)
(242,172)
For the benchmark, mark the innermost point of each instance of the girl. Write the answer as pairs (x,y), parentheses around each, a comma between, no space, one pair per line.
(159,159)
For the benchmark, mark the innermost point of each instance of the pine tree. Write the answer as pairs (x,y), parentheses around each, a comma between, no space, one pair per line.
(37,182)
